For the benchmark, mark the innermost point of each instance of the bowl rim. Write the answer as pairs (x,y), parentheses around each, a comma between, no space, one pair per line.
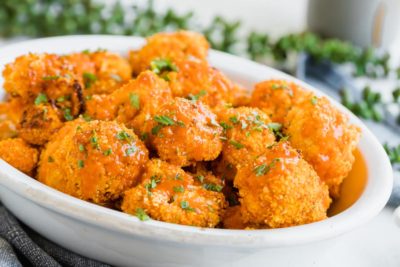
(374,197)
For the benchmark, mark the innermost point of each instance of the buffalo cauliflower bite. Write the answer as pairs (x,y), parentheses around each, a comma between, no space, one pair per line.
(199,81)
(19,154)
(325,138)
(276,97)
(134,103)
(38,124)
(280,189)
(248,133)
(180,58)
(7,126)
(168,194)
(183,132)
(181,45)
(94,161)
(110,72)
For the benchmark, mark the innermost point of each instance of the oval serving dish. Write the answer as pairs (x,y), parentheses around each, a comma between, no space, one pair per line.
(123,240)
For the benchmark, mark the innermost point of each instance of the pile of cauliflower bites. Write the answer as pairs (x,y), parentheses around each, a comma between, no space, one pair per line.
(166,136)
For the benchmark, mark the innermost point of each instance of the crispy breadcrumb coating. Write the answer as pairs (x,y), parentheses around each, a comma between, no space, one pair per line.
(95,161)
(19,154)
(280,189)
(324,136)
(168,194)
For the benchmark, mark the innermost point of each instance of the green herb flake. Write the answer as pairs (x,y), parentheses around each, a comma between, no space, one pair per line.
(196,97)
(107,152)
(234,119)
(81,148)
(130,150)
(50,78)
(141,214)
(236,144)
(164,120)
(89,79)
(158,66)
(41,98)
(81,164)
(213,187)
(134,100)
(122,135)
(50,159)
(185,205)
(200,178)
(263,169)
(67,114)
(314,100)
(179,189)
(225,126)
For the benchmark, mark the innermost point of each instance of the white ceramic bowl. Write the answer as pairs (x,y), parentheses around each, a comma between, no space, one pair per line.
(120,239)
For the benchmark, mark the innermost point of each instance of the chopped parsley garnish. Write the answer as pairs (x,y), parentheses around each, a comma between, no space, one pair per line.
(196,97)
(314,100)
(265,168)
(225,126)
(123,135)
(134,100)
(274,126)
(88,97)
(89,79)
(41,98)
(180,123)
(50,159)
(185,206)
(81,148)
(107,152)
(116,77)
(141,214)
(164,120)
(60,99)
(154,180)
(86,117)
(212,187)
(67,114)
(236,144)
(158,66)
(144,136)
(179,189)
(94,141)
(51,77)
(130,150)
(81,164)
(156,129)
(279,86)
(234,119)
(200,178)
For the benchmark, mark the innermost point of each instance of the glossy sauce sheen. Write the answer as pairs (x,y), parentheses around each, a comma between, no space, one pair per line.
(352,186)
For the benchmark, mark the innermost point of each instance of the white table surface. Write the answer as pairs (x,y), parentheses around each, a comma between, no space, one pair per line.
(377,243)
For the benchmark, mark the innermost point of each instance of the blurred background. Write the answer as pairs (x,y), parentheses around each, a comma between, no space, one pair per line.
(349,49)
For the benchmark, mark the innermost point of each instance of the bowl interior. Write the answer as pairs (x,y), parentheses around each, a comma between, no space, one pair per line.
(365,192)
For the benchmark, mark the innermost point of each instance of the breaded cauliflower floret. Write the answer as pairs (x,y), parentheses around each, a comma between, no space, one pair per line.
(19,154)
(325,138)
(168,194)
(248,132)
(133,103)
(110,72)
(180,58)
(199,81)
(280,189)
(182,45)
(38,124)
(183,132)
(95,161)
(276,97)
